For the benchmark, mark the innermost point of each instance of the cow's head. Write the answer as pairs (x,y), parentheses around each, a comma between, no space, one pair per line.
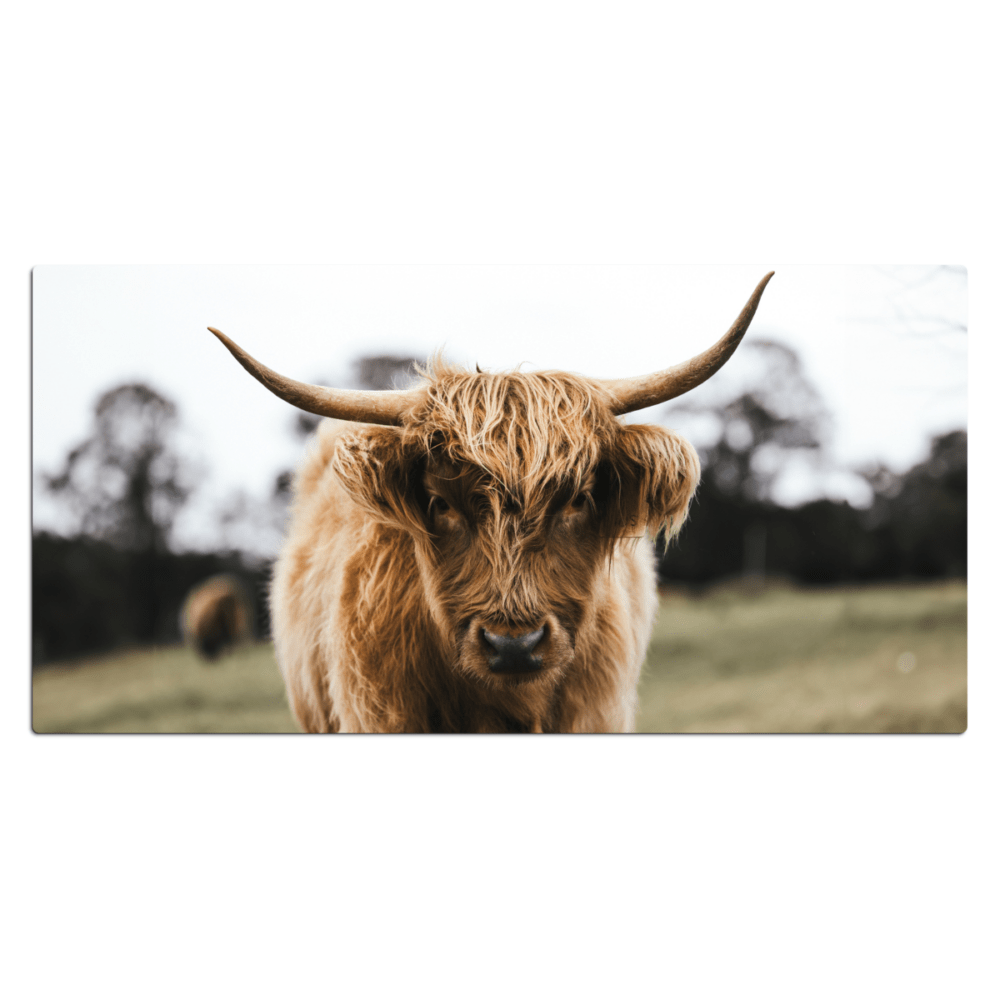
(515,488)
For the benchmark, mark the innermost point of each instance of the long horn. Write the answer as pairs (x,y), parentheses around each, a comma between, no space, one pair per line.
(648,390)
(368,406)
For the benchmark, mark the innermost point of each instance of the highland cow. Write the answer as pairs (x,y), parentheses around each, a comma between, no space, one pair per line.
(216,616)
(473,554)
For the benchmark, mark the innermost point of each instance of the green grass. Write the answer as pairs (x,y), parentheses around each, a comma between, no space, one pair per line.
(808,661)
(167,690)
(779,660)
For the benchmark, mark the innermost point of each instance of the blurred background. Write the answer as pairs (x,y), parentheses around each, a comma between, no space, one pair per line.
(818,586)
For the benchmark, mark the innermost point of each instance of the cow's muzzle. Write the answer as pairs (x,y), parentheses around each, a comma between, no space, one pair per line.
(512,654)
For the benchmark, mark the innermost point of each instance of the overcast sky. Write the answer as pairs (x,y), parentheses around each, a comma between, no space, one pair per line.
(883,345)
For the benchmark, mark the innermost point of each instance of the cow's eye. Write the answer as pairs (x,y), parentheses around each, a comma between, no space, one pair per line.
(438,506)
(580,501)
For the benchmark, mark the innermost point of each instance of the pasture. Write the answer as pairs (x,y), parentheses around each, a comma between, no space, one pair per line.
(879,659)
(888,659)
(164,691)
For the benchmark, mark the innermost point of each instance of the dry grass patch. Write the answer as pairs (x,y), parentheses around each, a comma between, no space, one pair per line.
(851,660)
(164,691)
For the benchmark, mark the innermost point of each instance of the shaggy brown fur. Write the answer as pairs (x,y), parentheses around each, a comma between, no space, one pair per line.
(503,504)
(217,615)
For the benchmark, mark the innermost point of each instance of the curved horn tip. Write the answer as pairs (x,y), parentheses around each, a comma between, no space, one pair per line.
(230,345)
(651,390)
(758,292)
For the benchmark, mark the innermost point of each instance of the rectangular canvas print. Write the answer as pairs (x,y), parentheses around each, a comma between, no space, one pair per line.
(517,499)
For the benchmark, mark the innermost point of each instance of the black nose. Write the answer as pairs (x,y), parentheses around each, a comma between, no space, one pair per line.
(511,654)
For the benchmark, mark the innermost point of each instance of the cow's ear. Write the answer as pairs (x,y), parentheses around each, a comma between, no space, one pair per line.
(650,479)
(381,472)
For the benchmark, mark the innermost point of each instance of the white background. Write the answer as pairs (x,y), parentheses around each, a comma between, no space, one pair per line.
(524,133)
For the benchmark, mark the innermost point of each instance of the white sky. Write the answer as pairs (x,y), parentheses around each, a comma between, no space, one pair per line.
(890,380)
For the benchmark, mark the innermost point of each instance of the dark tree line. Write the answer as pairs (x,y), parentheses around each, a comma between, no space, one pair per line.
(916,528)
(89,595)
(116,581)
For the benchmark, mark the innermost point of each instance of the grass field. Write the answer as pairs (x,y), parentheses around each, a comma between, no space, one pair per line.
(857,660)
(164,691)
(852,660)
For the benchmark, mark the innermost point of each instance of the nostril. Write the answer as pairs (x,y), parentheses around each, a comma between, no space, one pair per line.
(532,639)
